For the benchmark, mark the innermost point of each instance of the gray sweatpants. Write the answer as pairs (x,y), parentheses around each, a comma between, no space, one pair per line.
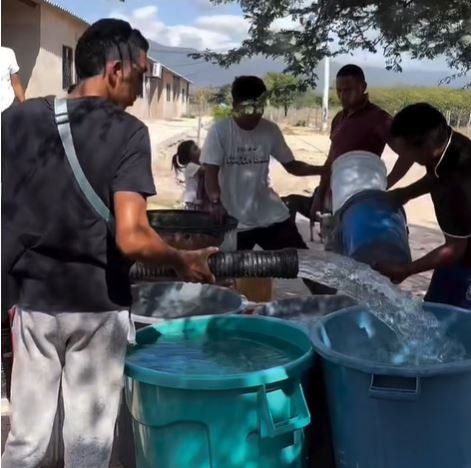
(83,352)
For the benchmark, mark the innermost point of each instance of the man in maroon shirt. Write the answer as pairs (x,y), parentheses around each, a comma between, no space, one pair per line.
(359,126)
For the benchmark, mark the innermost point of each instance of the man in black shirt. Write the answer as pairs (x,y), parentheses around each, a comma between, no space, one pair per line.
(421,134)
(72,312)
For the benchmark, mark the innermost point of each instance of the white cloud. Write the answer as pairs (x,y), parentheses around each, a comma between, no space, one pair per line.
(232,25)
(285,23)
(219,32)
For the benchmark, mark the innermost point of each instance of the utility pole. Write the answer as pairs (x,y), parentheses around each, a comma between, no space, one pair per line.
(200,113)
(325,95)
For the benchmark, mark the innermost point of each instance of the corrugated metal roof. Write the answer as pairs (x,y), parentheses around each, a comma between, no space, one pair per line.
(63,10)
(171,70)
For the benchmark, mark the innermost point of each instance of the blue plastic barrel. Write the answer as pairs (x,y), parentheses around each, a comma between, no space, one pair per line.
(372,229)
(390,416)
(222,417)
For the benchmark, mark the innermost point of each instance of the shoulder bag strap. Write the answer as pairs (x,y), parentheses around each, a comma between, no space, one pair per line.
(65,132)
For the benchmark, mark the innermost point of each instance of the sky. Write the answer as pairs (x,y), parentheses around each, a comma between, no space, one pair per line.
(199,24)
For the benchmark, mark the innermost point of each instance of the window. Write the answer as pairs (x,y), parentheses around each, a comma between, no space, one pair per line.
(67,60)
(183,95)
(169,93)
(176,87)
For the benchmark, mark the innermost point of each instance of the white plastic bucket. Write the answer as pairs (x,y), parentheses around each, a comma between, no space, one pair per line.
(354,172)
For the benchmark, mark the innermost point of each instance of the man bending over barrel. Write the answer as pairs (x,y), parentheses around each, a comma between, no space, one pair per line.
(421,134)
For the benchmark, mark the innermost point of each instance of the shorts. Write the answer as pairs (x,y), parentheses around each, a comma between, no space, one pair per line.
(284,235)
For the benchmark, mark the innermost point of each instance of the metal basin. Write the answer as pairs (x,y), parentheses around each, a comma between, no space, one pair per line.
(153,302)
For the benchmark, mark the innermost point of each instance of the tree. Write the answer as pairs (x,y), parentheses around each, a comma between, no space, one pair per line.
(222,95)
(422,29)
(283,90)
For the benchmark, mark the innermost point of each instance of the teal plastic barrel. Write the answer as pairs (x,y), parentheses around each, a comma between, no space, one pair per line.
(219,392)
(395,416)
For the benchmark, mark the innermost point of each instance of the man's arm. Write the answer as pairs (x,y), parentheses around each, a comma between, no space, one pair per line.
(211,182)
(283,154)
(212,158)
(302,169)
(17,87)
(400,169)
(321,191)
(213,190)
(415,190)
(138,241)
(131,184)
(402,165)
(134,236)
(447,254)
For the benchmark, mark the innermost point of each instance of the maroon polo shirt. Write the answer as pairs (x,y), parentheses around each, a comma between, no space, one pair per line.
(367,129)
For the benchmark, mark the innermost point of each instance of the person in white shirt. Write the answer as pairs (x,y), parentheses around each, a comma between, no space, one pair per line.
(187,161)
(10,87)
(236,159)
(10,84)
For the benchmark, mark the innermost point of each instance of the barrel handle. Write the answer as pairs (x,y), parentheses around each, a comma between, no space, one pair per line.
(403,388)
(300,414)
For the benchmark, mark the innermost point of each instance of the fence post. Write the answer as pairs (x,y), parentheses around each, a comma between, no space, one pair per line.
(448,116)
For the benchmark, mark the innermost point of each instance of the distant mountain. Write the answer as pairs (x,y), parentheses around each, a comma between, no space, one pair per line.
(205,74)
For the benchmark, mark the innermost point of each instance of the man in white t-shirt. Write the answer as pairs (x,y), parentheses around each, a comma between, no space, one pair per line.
(10,84)
(236,158)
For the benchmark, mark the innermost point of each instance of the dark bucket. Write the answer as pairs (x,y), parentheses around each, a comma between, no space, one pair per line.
(189,230)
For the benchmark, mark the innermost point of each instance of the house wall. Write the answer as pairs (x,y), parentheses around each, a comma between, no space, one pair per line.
(156,94)
(37,33)
(57,29)
(174,107)
(21,22)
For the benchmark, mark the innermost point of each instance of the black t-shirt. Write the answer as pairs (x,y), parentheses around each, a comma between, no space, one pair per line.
(451,190)
(72,262)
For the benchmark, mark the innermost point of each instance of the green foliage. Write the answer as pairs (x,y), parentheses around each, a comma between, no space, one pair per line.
(221,112)
(222,96)
(394,99)
(444,99)
(283,89)
(422,29)
(455,104)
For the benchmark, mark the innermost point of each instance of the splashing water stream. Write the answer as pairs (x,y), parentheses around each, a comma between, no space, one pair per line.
(421,334)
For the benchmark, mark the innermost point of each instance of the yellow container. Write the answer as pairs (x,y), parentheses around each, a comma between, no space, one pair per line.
(255,289)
